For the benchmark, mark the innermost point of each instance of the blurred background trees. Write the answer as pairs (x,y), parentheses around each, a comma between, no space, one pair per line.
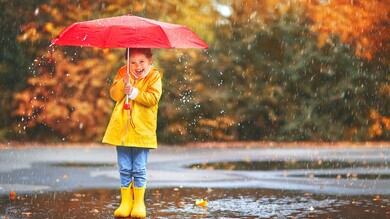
(276,70)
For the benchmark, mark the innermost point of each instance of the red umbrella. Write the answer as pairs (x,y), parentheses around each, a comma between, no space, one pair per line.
(128,31)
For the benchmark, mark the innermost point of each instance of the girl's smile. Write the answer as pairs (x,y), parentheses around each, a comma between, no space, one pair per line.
(139,65)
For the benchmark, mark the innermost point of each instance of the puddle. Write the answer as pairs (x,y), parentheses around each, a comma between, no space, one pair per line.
(286,165)
(347,176)
(83,165)
(179,203)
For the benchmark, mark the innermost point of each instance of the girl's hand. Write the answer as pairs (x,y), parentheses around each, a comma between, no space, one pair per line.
(128,86)
(128,89)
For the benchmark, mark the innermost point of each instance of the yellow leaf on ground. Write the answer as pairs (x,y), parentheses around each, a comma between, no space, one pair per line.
(200,202)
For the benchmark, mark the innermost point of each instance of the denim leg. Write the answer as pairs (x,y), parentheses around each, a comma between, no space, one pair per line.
(140,159)
(125,165)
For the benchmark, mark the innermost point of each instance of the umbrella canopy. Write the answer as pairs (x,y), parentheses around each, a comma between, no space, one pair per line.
(128,31)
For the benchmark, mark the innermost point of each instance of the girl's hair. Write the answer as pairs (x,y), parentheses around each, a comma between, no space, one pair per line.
(146,51)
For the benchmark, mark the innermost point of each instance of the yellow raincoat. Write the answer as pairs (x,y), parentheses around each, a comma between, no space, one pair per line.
(135,127)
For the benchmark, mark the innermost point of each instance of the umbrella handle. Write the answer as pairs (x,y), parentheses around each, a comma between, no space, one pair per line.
(126,106)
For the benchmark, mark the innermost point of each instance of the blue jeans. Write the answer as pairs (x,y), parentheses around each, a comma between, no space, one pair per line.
(132,165)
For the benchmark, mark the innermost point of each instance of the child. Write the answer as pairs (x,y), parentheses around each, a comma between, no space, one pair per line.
(133,130)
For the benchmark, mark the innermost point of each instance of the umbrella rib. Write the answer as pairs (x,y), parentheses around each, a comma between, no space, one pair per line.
(108,33)
(161,29)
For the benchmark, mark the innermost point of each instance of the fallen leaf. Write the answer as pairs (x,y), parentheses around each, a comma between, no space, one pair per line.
(200,202)
(12,196)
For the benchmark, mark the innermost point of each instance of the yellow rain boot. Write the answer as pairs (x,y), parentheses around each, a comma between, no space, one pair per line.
(139,210)
(126,206)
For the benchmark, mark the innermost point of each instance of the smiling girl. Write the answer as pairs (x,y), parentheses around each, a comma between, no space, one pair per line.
(133,130)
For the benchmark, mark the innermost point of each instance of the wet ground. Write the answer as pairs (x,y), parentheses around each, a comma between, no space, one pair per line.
(249,182)
(179,203)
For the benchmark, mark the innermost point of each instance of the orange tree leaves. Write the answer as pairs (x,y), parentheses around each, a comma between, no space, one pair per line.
(71,102)
(363,24)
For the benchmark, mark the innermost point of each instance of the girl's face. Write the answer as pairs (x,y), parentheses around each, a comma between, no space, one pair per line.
(139,63)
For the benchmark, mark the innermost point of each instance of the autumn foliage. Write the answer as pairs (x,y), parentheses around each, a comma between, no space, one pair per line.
(363,24)
(70,101)
(276,70)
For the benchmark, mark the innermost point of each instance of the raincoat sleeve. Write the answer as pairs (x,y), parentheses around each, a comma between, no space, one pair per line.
(152,94)
(117,90)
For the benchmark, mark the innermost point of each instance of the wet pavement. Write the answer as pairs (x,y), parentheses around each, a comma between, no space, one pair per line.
(178,203)
(86,178)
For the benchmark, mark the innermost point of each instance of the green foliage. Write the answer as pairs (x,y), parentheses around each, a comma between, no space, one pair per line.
(287,88)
